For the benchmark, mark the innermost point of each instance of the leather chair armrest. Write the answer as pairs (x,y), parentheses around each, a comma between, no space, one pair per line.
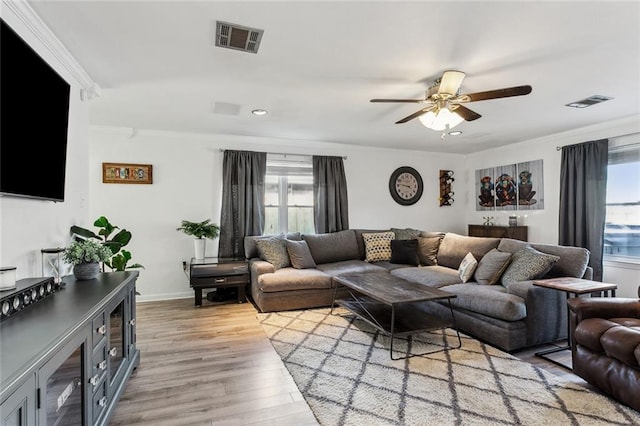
(603,307)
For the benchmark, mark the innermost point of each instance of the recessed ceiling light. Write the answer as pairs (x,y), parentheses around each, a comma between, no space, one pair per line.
(455,133)
(259,112)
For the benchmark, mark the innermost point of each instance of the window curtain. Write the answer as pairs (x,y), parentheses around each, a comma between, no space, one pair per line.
(330,206)
(243,175)
(583,195)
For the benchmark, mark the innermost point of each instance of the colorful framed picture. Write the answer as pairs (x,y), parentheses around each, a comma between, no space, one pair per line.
(127,173)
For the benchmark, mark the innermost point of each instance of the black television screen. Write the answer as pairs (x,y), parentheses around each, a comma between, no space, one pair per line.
(34,117)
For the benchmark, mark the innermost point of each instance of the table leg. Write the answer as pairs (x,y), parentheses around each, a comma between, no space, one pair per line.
(241,294)
(543,354)
(198,292)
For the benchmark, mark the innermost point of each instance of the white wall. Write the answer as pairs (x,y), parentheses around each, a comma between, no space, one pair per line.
(26,225)
(543,224)
(187,171)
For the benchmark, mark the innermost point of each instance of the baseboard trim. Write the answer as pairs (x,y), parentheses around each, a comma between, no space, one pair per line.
(163,296)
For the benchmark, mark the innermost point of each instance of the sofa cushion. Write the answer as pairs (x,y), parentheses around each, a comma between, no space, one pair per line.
(491,267)
(528,264)
(349,267)
(300,254)
(333,247)
(467,267)
(378,246)
(572,263)
(287,279)
(492,301)
(428,250)
(406,233)
(360,240)
(251,250)
(454,248)
(433,276)
(404,252)
(274,251)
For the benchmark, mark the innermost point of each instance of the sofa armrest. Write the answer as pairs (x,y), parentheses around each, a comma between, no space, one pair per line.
(546,311)
(603,307)
(258,267)
(588,273)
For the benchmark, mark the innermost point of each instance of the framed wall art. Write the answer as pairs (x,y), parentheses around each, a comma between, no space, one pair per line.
(127,173)
(510,187)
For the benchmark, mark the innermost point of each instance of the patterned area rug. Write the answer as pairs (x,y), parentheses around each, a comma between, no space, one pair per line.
(342,367)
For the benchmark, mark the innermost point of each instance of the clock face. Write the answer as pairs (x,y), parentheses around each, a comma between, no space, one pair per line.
(405,186)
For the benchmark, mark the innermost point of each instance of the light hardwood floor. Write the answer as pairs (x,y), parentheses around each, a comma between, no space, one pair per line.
(215,366)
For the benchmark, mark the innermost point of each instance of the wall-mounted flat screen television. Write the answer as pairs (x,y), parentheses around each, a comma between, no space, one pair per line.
(34,118)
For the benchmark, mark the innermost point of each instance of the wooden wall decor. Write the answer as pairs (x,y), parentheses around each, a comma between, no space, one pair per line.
(446,194)
(127,173)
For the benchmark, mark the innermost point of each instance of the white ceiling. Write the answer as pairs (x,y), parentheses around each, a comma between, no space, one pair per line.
(320,63)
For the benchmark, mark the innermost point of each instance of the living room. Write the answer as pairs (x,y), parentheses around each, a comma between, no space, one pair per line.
(187,165)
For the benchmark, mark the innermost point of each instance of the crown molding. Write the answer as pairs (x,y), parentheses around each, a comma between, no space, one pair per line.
(24,12)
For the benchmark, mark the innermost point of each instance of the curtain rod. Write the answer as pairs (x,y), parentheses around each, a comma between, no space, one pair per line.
(558,148)
(344,157)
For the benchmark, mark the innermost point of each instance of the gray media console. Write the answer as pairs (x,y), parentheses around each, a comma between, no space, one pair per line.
(67,359)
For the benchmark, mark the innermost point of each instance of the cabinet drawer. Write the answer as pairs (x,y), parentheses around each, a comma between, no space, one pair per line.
(99,360)
(225,280)
(100,401)
(99,328)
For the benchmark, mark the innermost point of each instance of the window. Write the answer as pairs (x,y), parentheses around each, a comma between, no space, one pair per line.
(622,227)
(289,194)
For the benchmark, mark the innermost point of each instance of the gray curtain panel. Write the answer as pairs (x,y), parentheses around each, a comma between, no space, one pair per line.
(330,207)
(243,175)
(583,194)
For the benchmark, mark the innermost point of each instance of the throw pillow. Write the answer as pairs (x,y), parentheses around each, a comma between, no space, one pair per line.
(404,252)
(274,251)
(406,234)
(300,254)
(467,267)
(528,264)
(377,246)
(491,267)
(428,250)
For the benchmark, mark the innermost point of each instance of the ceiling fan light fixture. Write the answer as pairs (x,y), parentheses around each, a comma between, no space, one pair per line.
(441,120)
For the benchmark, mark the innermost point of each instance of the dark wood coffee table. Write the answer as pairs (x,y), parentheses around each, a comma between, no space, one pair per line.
(393,306)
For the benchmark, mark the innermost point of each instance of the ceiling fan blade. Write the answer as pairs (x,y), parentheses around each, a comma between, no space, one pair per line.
(415,114)
(495,94)
(450,82)
(465,112)
(411,101)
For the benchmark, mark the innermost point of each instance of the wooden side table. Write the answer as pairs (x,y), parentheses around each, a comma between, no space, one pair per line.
(573,287)
(213,272)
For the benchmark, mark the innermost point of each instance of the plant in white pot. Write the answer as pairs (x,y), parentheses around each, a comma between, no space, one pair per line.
(200,231)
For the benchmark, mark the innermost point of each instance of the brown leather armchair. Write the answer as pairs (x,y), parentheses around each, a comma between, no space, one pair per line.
(606,345)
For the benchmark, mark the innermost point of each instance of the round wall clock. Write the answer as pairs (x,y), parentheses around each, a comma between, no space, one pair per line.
(405,186)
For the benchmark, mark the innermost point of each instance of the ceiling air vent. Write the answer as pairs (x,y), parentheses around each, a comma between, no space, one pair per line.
(237,37)
(591,100)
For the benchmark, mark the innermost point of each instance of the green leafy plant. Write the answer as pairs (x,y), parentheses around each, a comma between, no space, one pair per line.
(111,239)
(204,229)
(86,251)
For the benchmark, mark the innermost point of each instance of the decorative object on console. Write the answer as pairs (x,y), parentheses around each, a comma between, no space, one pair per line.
(7,278)
(127,173)
(513,220)
(446,194)
(406,186)
(201,231)
(85,256)
(120,258)
(55,268)
(488,220)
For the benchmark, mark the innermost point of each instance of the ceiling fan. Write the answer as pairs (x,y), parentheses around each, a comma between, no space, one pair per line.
(443,105)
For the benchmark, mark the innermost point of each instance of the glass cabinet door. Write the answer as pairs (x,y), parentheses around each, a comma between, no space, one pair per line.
(116,342)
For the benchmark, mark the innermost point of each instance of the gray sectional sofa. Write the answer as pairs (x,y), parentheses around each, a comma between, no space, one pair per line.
(510,316)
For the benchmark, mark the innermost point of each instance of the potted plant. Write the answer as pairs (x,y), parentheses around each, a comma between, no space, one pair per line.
(201,231)
(119,258)
(85,256)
